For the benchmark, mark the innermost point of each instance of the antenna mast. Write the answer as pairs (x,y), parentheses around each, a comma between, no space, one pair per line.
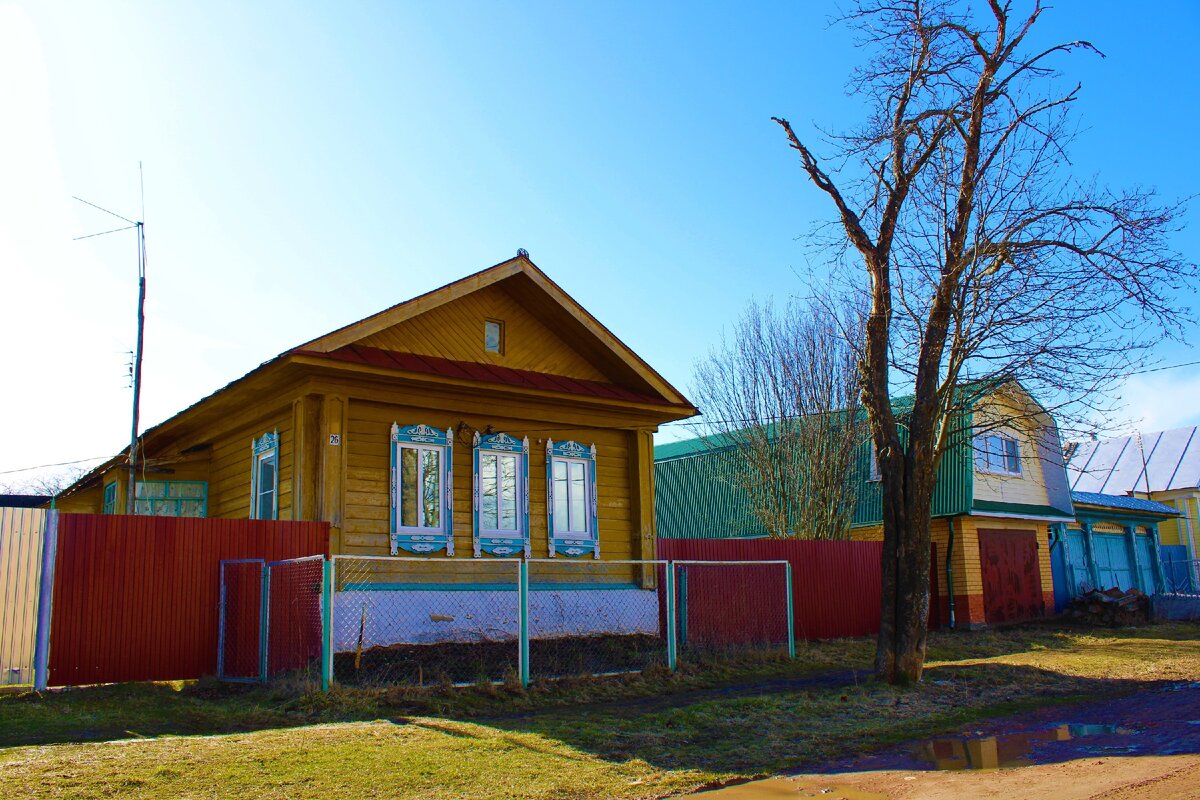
(140,228)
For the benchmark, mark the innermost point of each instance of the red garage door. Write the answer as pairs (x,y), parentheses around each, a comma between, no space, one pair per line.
(1012,577)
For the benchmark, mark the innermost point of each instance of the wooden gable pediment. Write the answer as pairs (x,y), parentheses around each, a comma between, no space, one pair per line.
(545,331)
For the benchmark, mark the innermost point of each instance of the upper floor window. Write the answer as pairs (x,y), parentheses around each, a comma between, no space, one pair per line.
(264,477)
(110,497)
(997,454)
(493,336)
(501,495)
(571,500)
(422,489)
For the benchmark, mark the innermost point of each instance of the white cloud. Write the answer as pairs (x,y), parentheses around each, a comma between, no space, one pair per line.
(1160,401)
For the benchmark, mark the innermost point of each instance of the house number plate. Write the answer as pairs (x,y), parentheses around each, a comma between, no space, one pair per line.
(335,438)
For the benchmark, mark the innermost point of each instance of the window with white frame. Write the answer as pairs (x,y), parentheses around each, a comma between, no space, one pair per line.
(422,490)
(501,495)
(571,500)
(264,478)
(998,454)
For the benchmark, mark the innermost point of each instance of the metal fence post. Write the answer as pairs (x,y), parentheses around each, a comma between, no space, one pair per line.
(264,623)
(41,648)
(791,625)
(669,589)
(221,623)
(523,617)
(326,624)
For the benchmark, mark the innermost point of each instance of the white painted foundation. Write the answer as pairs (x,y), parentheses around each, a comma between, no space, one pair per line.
(435,616)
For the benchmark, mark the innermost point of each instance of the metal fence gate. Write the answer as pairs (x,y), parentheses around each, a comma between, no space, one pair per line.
(271,619)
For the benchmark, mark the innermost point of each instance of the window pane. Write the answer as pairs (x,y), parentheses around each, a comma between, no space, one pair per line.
(266,488)
(191,508)
(487,480)
(508,493)
(431,478)
(561,523)
(1013,453)
(408,487)
(578,495)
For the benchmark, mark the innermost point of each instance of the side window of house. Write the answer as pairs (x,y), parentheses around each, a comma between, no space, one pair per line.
(501,495)
(171,498)
(264,478)
(571,499)
(422,490)
(110,498)
(998,454)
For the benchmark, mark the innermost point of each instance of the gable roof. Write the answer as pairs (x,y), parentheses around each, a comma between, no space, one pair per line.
(531,286)
(1158,461)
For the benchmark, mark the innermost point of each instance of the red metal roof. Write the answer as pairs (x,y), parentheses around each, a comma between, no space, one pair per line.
(484,373)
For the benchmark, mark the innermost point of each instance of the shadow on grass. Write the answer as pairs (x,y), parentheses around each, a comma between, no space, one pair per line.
(766,718)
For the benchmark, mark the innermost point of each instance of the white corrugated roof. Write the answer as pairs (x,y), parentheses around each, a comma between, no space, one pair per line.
(1158,461)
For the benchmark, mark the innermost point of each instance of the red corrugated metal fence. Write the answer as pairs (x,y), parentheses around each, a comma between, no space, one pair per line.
(836,586)
(137,598)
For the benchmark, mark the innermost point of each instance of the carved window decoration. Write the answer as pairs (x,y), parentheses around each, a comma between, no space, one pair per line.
(571,499)
(422,490)
(501,495)
(264,477)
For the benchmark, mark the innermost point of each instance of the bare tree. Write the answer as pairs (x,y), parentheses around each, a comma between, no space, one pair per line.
(45,483)
(986,259)
(781,402)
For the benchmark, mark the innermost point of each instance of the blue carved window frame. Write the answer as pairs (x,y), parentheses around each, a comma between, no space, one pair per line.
(422,540)
(572,544)
(110,497)
(501,543)
(264,450)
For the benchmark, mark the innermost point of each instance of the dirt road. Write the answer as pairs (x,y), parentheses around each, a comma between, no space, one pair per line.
(1142,747)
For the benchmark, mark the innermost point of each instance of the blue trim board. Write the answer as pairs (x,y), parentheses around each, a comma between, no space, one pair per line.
(534,586)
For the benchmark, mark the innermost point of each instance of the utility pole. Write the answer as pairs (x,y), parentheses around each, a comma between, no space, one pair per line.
(130,493)
(140,227)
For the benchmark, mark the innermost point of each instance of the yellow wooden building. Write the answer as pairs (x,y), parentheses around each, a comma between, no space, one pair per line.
(491,417)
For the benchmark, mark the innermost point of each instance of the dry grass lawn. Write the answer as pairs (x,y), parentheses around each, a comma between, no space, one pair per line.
(640,738)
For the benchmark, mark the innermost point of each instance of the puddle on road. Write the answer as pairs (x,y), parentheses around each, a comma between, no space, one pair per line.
(1010,749)
(785,789)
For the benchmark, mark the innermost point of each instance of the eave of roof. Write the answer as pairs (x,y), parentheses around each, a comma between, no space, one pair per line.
(1123,503)
(484,373)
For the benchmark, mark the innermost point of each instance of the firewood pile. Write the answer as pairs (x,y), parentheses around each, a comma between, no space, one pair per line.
(1111,607)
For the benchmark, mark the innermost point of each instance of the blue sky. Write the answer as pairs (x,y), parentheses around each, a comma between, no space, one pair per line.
(306,165)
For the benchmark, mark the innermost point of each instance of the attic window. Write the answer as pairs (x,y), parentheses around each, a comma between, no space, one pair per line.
(493,336)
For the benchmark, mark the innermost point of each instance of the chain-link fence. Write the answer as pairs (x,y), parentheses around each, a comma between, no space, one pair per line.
(239,642)
(412,621)
(422,621)
(728,608)
(294,618)
(596,617)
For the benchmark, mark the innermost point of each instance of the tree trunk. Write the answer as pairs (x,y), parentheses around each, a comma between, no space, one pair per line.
(900,649)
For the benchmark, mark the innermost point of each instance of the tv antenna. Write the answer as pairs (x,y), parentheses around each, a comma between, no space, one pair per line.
(140,233)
